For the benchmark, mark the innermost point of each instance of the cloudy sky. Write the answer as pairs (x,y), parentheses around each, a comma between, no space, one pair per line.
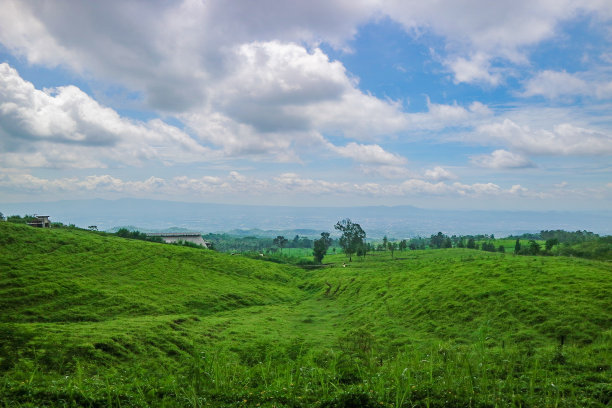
(446,104)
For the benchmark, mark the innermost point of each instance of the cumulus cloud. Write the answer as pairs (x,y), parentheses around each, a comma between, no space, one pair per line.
(563,140)
(64,127)
(173,52)
(439,174)
(502,159)
(475,69)
(237,183)
(369,154)
(559,84)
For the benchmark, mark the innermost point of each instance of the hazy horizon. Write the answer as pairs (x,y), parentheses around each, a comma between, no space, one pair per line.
(395,221)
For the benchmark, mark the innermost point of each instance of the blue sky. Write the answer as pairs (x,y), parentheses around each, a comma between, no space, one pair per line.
(448,104)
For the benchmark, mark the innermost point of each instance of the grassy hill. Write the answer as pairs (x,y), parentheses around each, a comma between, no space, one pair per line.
(88,319)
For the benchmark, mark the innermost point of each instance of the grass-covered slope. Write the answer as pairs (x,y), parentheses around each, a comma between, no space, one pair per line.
(89,319)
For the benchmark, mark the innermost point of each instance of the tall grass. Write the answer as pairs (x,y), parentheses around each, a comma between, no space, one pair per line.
(93,320)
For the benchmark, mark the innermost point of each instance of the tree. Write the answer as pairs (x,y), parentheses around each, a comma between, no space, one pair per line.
(403,245)
(437,240)
(1,217)
(471,244)
(352,236)
(392,247)
(534,247)
(517,246)
(460,243)
(385,243)
(447,243)
(501,249)
(280,242)
(321,246)
(550,243)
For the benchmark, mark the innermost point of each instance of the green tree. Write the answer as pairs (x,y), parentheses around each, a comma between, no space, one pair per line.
(280,242)
(534,247)
(385,243)
(353,236)
(447,243)
(471,244)
(550,243)
(437,240)
(392,247)
(321,246)
(403,245)
(517,246)
(501,249)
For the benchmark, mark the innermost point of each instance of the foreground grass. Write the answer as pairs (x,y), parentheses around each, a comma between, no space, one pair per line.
(92,320)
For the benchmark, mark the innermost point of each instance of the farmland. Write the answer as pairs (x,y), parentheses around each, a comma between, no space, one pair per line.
(90,319)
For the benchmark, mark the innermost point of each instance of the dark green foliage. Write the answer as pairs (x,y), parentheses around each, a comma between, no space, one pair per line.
(125,233)
(17,219)
(353,237)
(533,248)
(280,242)
(437,240)
(488,246)
(403,245)
(517,246)
(567,236)
(321,246)
(471,244)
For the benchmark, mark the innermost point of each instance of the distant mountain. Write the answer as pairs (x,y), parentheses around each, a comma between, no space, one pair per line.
(377,221)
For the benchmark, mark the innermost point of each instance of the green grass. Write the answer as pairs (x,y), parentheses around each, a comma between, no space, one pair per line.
(89,319)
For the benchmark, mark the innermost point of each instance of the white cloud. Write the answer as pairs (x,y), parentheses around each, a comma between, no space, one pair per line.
(560,84)
(369,154)
(64,127)
(439,174)
(476,69)
(501,159)
(236,183)
(563,140)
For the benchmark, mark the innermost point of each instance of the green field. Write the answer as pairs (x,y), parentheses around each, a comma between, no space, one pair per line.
(89,319)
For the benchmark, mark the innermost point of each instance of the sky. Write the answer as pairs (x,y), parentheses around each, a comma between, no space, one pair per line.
(447,104)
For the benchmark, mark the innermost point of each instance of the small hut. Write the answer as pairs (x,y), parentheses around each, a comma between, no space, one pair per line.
(41,221)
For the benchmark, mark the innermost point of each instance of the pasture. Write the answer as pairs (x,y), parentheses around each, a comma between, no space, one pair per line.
(88,319)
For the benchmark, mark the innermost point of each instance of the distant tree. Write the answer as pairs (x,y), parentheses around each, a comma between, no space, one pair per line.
(1,217)
(392,247)
(436,241)
(488,246)
(321,246)
(93,228)
(517,246)
(412,245)
(550,243)
(385,243)
(280,242)
(534,247)
(471,244)
(362,250)
(352,238)
(460,243)
(501,249)
(447,243)
(403,245)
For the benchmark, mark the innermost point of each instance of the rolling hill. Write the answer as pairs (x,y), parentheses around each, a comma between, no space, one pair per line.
(90,319)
